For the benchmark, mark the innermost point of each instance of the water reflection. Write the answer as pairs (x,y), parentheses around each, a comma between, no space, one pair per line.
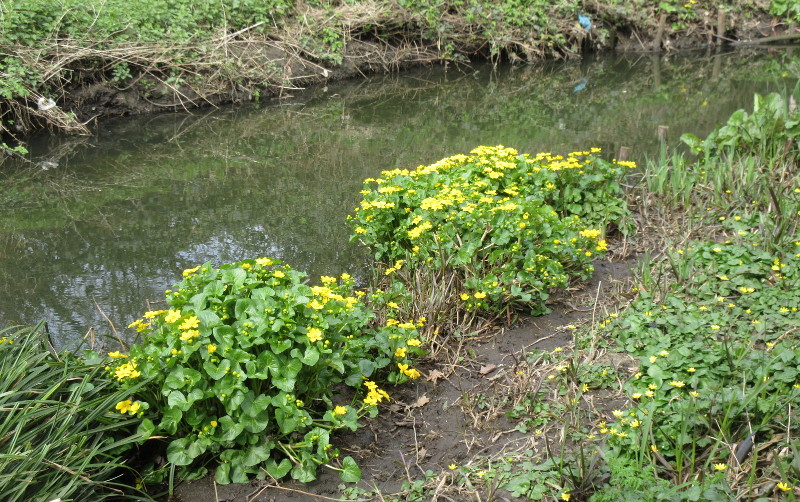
(111,227)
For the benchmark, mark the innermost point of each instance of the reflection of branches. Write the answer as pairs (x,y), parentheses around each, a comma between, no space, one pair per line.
(110,323)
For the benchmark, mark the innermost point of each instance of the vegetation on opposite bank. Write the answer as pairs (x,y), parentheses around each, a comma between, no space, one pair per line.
(65,63)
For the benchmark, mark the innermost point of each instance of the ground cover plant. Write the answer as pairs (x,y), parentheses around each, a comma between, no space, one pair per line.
(481,234)
(682,383)
(60,435)
(712,413)
(247,370)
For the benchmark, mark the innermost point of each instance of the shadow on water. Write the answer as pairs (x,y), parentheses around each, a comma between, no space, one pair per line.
(114,218)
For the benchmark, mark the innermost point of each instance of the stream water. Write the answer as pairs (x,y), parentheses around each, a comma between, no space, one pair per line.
(94,228)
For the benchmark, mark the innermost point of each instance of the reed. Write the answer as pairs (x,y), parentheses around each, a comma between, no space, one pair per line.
(59,435)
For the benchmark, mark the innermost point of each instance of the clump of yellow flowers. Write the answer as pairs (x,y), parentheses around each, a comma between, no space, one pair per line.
(250,350)
(513,225)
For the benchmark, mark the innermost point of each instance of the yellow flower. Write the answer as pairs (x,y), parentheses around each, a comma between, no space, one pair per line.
(172,316)
(375,395)
(691,370)
(264,262)
(464,296)
(784,487)
(452,467)
(480,294)
(214,423)
(212,348)
(314,335)
(116,355)
(315,304)
(279,274)
(191,322)
(413,342)
(125,406)
(409,372)
(340,410)
(190,271)
(189,334)
(720,467)
(139,325)
(565,496)
(400,352)
(617,413)
(127,370)
(677,383)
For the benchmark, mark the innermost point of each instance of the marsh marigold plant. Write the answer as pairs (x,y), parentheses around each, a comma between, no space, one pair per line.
(244,364)
(509,227)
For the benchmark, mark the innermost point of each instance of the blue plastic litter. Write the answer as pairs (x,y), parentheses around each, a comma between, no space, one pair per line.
(581,85)
(585,22)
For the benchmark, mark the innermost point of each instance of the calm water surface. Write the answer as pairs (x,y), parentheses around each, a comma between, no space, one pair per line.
(102,225)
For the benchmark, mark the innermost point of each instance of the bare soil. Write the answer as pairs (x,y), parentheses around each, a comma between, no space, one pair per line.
(449,416)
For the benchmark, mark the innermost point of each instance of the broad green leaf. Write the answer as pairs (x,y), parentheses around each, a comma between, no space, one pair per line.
(255,455)
(366,366)
(286,422)
(235,276)
(230,429)
(208,318)
(242,306)
(351,473)
(179,453)
(278,471)
(279,346)
(311,356)
(217,371)
(222,474)
(269,360)
(146,428)
(170,419)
